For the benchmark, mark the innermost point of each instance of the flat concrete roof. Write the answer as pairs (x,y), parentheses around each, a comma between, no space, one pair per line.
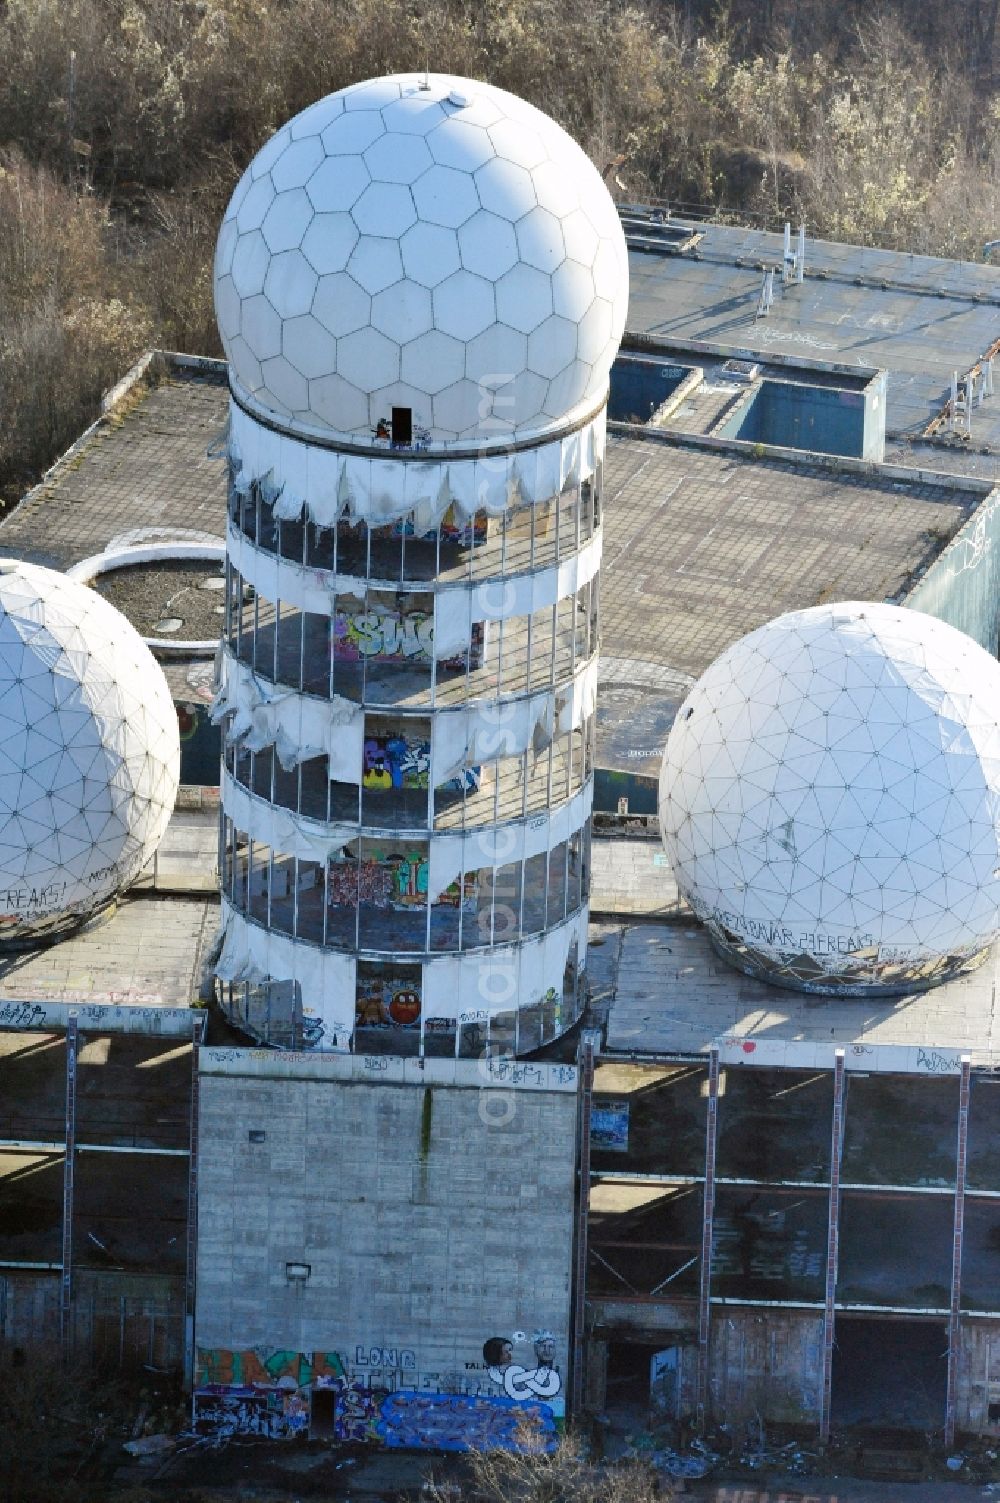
(150,951)
(143,465)
(918,317)
(947,456)
(703,544)
(667,992)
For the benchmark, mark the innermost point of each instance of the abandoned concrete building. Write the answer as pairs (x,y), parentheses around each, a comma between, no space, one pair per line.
(334,1197)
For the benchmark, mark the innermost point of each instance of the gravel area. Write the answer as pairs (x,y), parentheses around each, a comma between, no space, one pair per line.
(181,600)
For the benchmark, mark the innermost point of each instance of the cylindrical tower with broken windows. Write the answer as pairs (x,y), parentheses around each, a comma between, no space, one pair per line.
(421,283)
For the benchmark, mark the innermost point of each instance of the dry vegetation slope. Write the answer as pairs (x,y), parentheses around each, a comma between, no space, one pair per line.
(124,125)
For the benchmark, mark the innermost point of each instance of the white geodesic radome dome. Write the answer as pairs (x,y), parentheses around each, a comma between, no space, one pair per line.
(429,243)
(89,752)
(830,800)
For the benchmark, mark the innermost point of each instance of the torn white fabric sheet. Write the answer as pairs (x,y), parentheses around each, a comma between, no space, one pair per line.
(457,608)
(286,832)
(532,977)
(557,945)
(494,846)
(276,579)
(577,701)
(473,987)
(304,476)
(234,963)
(481,733)
(327,978)
(452,623)
(442,986)
(522,594)
(298,726)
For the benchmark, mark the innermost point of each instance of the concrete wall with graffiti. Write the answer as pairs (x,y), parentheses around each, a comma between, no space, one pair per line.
(385,1262)
(962,585)
(169,1022)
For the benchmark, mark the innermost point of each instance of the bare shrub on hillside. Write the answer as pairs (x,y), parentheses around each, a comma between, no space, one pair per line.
(565,1475)
(67,332)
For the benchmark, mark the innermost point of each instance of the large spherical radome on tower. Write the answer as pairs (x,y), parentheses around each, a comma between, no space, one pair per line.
(424,243)
(830,800)
(89,753)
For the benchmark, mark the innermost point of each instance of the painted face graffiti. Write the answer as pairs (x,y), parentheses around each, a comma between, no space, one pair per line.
(545,1348)
(523,1383)
(498,1352)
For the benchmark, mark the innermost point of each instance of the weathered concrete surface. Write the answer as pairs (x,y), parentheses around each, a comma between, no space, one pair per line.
(701,547)
(633,876)
(431,1219)
(665,991)
(144,466)
(149,952)
(918,317)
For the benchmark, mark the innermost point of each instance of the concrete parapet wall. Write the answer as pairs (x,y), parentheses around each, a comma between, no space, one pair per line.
(170,1022)
(962,585)
(388,1069)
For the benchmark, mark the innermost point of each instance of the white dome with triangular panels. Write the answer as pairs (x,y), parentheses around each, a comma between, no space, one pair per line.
(830,799)
(89,752)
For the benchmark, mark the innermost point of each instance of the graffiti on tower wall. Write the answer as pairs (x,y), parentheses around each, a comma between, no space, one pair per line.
(394,760)
(395,879)
(387,1000)
(396,635)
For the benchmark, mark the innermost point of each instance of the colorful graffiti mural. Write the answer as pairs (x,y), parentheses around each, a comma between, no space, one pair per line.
(272,1395)
(520,1383)
(405,1420)
(218,1366)
(357,1412)
(387,1001)
(395,881)
(389,634)
(463,1422)
(398,880)
(271,1413)
(393,760)
(609,1125)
